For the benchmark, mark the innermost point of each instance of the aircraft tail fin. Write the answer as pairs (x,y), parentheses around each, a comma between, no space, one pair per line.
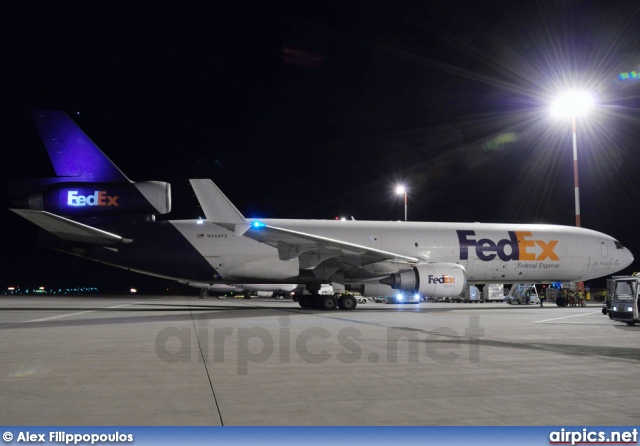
(72,153)
(88,183)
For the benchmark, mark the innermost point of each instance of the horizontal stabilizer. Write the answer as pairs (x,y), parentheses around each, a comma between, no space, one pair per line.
(216,206)
(70,230)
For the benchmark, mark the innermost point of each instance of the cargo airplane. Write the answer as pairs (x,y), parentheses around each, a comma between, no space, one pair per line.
(92,210)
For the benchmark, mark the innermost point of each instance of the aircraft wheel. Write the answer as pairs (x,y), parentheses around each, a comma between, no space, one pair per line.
(347,302)
(305,301)
(631,323)
(329,303)
(316,302)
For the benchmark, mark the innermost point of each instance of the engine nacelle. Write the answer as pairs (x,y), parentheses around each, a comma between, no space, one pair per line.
(431,280)
(103,199)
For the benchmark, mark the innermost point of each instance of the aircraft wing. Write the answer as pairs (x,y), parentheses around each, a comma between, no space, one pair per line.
(70,230)
(313,250)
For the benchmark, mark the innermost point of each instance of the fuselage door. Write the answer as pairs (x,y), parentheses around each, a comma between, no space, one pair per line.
(603,248)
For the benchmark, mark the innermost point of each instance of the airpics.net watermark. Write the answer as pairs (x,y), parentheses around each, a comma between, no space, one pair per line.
(316,345)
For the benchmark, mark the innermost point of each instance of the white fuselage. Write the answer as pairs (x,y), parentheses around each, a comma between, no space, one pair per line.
(504,253)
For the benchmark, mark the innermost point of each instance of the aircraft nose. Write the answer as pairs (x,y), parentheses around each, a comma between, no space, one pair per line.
(627,258)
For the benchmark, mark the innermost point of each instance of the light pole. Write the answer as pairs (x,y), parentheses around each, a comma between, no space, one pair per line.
(574,104)
(401,190)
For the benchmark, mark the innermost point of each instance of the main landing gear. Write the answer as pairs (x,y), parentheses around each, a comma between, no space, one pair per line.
(328,302)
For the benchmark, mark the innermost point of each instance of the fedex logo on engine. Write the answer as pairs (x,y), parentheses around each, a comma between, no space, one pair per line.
(443,279)
(519,246)
(98,198)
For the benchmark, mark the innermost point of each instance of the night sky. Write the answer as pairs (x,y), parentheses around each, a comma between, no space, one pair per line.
(318,109)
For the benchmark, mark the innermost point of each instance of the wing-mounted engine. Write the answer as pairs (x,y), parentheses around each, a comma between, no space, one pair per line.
(431,280)
(102,199)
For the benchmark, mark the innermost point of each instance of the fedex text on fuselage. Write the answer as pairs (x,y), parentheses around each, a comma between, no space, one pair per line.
(519,245)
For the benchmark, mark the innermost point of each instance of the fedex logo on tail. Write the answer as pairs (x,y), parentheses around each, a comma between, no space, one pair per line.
(99,198)
(519,246)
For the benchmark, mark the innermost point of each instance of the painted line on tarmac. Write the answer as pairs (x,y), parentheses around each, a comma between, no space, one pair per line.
(566,317)
(78,313)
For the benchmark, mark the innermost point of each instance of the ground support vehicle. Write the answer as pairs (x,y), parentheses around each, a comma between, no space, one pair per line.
(472,294)
(606,306)
(624,299)
(493,292)
(523,294)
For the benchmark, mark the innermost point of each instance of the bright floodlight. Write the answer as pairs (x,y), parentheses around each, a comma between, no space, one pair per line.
(572,104)
(401,190)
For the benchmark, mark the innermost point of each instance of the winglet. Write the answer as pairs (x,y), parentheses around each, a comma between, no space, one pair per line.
(217,207)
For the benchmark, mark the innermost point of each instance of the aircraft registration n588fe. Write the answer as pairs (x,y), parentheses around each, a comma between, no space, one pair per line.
(91,209)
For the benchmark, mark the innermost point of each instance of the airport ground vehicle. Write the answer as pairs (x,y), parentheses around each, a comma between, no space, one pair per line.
(624,300)
(493,292)
(606,306)
(523,294)
(471,294)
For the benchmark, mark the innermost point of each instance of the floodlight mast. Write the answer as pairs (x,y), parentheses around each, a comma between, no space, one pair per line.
(401,190)
(576,184)
(574,104)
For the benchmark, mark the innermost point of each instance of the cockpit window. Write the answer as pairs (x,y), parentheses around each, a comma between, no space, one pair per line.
(618,245)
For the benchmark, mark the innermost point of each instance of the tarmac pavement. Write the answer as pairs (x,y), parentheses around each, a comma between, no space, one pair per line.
(140,360)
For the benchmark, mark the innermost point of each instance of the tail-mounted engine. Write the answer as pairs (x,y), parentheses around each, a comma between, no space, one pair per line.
(102,199)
